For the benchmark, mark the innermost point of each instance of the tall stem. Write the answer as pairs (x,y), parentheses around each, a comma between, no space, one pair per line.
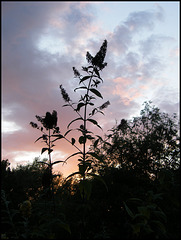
(51,174)
(49,147)
(85,119)
(84,133)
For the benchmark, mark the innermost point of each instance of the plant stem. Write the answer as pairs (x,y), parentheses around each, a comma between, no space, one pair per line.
(84,132)
(49,153)
(51,174)
(85,120)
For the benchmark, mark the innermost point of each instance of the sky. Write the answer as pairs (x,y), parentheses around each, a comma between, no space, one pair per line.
(42,41)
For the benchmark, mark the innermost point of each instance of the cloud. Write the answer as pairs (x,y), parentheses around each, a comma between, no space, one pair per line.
(136,22)
(141,20)
(156,44)
(41,44)
(167,99)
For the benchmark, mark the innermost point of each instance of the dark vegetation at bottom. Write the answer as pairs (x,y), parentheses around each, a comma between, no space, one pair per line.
(134,207)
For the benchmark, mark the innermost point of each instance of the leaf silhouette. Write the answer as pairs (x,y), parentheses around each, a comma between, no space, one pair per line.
(96,92)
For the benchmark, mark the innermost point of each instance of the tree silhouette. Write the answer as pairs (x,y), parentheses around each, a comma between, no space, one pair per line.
(145,144)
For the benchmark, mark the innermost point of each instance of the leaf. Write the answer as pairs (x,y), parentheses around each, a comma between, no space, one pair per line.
(93,112)
(57,162)
(38,139)
(101,112)
(128,210)
(108,143)
(72,174)
(79,106)
(93,154)
(90,137)
(99,137)
(94,122)
(99,178)
(59,136)
(68,132)
(137,201)
(72,155)
(43,150)
(84,78)
(80,118)
(66,105)
(90,103)
(80,88)
(73,141)
(82,139)
(96,92)
(96,142)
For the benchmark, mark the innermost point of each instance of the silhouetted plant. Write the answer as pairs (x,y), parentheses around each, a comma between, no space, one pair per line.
(89,84)
(48,128)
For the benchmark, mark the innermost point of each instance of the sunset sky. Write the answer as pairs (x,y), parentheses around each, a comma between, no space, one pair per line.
(42,41)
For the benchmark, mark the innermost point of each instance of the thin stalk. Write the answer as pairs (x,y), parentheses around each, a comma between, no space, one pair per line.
(84,133)
(85,116)
(49,153)
(51,174)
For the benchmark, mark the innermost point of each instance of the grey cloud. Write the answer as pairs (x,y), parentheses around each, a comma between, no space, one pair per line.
(121,39)
(154,44)
(123,35)
(138,21)
(23,20)
(167,99)
(151,68)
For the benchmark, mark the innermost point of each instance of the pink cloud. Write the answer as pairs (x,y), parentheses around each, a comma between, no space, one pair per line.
(123,81)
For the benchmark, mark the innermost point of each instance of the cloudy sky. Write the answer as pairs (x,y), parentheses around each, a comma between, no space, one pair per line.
(42,41)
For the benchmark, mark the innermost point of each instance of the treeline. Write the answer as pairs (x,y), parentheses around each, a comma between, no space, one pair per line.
(137,197)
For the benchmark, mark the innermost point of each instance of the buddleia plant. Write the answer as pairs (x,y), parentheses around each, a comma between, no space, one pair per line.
(89,80)
(48,127)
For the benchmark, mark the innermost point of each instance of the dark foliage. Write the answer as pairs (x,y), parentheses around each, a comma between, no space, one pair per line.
(137,205)
(154,204)
(127,185)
